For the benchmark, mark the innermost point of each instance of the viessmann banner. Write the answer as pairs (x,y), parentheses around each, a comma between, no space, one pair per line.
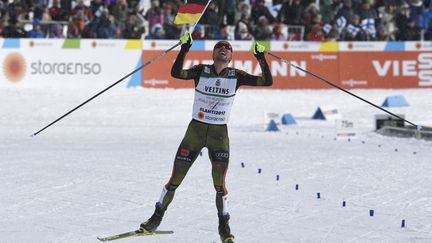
(347,64)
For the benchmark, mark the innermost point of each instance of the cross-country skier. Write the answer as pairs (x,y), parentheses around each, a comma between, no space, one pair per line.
(215,89)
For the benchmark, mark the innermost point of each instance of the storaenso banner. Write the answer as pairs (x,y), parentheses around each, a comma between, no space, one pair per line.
(65,68)
(56,63)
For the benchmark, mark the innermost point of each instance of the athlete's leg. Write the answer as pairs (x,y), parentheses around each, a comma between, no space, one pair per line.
(188,151)
(218,146)
(191,145)
(219,170)
(184,159)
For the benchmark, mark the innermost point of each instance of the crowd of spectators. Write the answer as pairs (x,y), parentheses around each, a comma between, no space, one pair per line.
(295,20)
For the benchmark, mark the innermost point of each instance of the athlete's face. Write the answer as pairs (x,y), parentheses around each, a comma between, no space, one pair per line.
(222,52)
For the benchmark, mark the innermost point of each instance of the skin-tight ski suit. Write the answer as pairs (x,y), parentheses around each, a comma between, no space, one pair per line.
(214,93)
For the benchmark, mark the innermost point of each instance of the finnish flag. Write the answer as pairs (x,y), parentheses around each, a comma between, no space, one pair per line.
(327,28)
(274,10)
(353,30)
(369,26)
(341,23)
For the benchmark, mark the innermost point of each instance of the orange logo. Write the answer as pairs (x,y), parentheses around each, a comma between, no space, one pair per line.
(184,152)
(201,115)
(14,67)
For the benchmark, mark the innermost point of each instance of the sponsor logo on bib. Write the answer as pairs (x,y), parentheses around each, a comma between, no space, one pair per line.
(201,115)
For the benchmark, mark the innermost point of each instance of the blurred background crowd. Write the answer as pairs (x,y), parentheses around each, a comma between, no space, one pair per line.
(293,20)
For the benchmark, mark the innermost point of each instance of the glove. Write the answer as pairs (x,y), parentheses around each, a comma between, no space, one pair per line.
(259,50)
(186,40)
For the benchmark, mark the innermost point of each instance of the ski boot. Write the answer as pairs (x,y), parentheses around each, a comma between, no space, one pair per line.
(154,221)
(224,229)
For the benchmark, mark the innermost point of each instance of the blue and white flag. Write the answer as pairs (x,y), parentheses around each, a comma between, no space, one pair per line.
(275,9)
(327,28)
(369,26)
(353,30)
(341,23)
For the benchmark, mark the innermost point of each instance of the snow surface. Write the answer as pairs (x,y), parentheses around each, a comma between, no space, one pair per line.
(100,170)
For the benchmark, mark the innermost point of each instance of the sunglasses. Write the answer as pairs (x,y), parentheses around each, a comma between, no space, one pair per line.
(226,45)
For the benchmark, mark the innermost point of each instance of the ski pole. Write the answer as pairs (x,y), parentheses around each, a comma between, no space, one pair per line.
(109,87)
(342,89)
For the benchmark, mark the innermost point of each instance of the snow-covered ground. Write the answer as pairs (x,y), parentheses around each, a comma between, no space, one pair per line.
(101,169)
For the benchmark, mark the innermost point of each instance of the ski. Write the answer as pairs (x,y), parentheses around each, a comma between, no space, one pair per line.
(134,233)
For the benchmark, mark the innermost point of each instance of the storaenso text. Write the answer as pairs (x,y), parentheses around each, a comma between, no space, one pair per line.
(65,68)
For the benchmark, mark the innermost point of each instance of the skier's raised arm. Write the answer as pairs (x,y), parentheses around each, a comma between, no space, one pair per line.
(177,70)
(265,79)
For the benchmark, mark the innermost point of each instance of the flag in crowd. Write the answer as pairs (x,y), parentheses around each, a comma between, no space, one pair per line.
(341,23)
(369,26)
(352,29)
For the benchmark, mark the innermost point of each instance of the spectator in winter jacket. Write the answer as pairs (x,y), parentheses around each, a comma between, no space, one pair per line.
(316,33)
(211,15)
(154,15)
(56,31)
(263,30)
(222,33)
(387,15)
(261,10)
(102,26)
(75,27)
(277,33)
(366,12)
(13,29)
(242,29)
(291,13)
(36,32)
(120,12)
(56,12)
(346,11)
(157,33)
(416,12)
(410,33)
(134,28)
(327,10)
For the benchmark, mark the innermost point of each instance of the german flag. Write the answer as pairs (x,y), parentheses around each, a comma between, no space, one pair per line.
(190,12)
